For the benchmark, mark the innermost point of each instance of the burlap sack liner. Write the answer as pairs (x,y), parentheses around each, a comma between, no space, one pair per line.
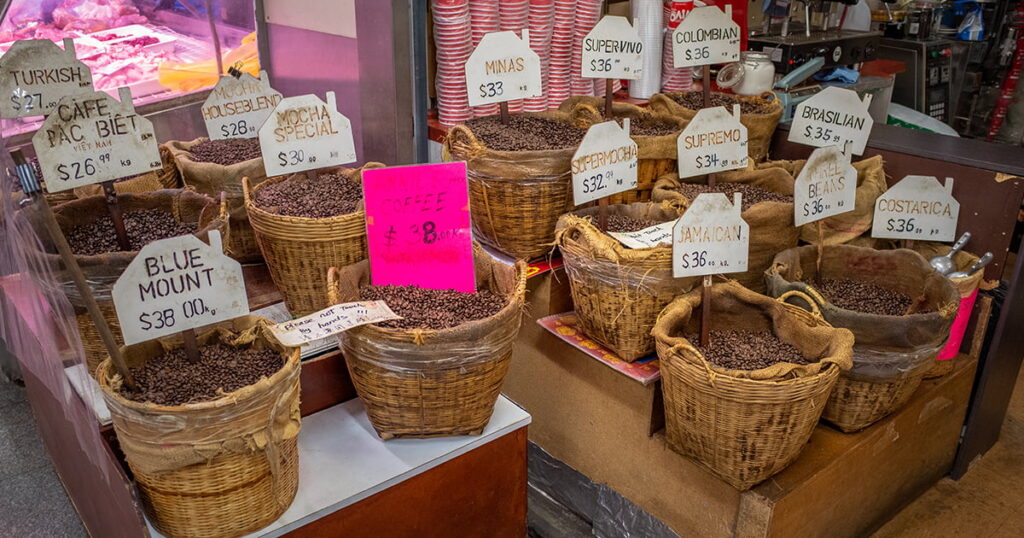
(158,438)
(586,110)
(963,260)
(736,307)
(760,127)
(167,177)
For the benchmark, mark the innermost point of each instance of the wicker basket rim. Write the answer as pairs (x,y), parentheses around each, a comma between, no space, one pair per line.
(249,193)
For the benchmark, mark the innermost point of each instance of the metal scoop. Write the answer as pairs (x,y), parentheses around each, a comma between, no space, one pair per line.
(985,260)
(944,264)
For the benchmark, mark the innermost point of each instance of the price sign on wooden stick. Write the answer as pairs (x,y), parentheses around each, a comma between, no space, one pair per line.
(826,186)
(714,141)
(706,36)
(238,106)
(35,74)
(918,207)
(612,50)
(503,68)
(605,164)
(834,116)
(304,133)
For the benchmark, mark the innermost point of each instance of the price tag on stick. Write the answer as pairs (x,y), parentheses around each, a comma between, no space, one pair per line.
(237,107)
(834,116)
(706,36)
(503,68)
(178,284)
(714,141)
(826,186)
(605,163)
(613,50)
(331,321)
(711,237)
(35,74)
(918,207)
(304,133)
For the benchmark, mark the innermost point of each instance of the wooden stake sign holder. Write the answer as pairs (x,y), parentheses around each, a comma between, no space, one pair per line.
(503,68)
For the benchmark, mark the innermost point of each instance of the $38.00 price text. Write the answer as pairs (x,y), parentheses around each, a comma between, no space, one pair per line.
(166,318)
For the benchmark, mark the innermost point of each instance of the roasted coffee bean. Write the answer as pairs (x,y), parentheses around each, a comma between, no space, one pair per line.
(524,133)
(143,227)
(227,151)
(329,195)
(645,126)
(695,101)
(863,297)
(751,195)
(623,224)
(423,308)
(746,350)
(170,379)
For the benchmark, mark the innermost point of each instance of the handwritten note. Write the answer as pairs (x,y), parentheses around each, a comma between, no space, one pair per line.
(330,321)
(648,237)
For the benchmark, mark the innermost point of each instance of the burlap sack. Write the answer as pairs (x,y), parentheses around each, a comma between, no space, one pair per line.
(760,127)
(618,291)
(515,197)
(590,110)
(771,223)
(212,179)
(847,226)
(166,177)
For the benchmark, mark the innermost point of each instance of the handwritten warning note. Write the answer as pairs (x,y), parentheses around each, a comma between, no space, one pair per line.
(826,186)
(706,36)
(35,74)
(714,141)
(918,207)
(503,68)
(237,107)
(648,237)
(711,237)
(304,133)
(613,50)
(833,117)
(331,321)
(605,163)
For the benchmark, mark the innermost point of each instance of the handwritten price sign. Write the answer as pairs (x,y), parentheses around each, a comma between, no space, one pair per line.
(304,133)
(237,107)
(826,186)
(706,36)
(605,163)
(833,117)
(35,74)
(714,141)
(711,237)
(918,207)
(502,68)
(613,50)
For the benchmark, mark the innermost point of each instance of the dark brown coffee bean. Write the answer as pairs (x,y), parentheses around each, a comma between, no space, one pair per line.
(624,224)
(751,195)
(863,297)
(227,151)
(695,101)
(746,350)
(143,227)
(525,133)
(328,195)
(423,308)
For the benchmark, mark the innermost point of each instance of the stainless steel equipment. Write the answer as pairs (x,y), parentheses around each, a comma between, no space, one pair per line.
(836,47)
(944,264)
(925,84)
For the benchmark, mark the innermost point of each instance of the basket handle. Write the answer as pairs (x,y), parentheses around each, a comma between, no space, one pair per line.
(768,96)
(246,189)
(333,286)
(815,310)
(462,140)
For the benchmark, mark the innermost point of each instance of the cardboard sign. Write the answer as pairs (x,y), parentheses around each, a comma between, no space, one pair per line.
(833,117)
(304,133)
(90,138)
(710,238)
(706,36)
(613,50)
(714,141)
(177,284)
(826,186)
(503,68)
(648,237)
(918,207)
(605,163)
(237,107)
(418,226)
(35,74)
(331,321)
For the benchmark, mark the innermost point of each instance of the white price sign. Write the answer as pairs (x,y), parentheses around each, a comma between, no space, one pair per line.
(826,186)
(648,237)
(91,138)
(613,50)
(35,74)
(714,141)
(918,207)
(177,284)
(502,68)
(605,163)
(330,321)
(237,107)
(304,133)
(710,238)
(706,36)
(833,117)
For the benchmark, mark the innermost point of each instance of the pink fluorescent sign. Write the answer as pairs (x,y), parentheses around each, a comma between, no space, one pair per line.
(418,227)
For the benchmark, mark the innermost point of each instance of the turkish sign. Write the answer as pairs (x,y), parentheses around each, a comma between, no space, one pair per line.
(237,107)
(706,36)
(826,186)
(613,50)
(35,74)
(418,226)
(502,68)
(918,207)
(177,284)
(304,133)
(91,138)
(711,237)
(648,237)
(605,163)
(833,117)
(714,141)
(330,321)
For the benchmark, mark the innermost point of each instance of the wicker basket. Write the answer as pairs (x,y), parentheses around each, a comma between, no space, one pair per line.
(760,127)
(220,468)
(165,178)
(430,383)
(617,291)
(745,426)
(299,250)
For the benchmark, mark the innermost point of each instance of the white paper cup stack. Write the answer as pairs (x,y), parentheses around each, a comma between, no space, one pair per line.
(542,23)
(588,13)
(648,20)
(485,20)
(453,39)
(515,15)
(675,79)
(559,76)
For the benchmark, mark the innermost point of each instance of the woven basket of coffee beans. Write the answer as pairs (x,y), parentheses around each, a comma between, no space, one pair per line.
(305,226)
(767,208)
(655,134)
(519,177)
(212,445)
(438,371)
(167,177)
(214,166)
(618,291)
(745,405)
(87,225)
(898,308)
(760,114)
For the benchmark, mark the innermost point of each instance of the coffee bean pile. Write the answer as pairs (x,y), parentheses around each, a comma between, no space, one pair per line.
(751,195)
(525,133)
(329,195)
(423,308)
(143,227)
(863,297)
(746,350)
(170,379)
(641,127)
(227,151)
(695,101)
(624,224)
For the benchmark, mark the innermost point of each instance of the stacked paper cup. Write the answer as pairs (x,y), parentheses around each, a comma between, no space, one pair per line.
(674,79)
(542,23)
(647,18)
(560,66)
(485,20)
(588,12)
(454,41)
(515,15)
